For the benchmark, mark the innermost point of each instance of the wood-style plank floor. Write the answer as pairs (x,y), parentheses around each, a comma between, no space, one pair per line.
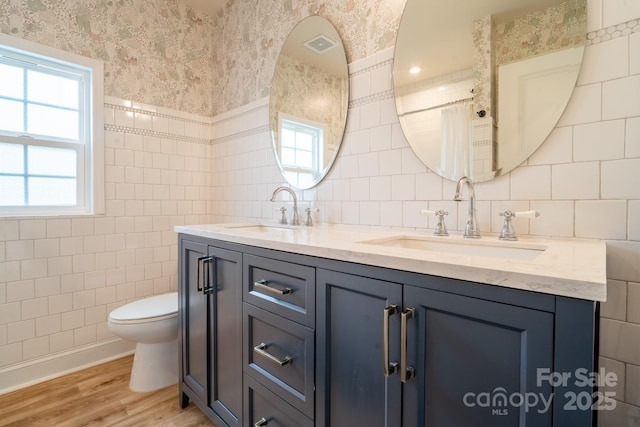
(97,396)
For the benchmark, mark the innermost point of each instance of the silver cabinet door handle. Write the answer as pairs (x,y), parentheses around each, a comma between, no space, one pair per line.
(202,276)
(406,372)
(389,367)
(261,422)
(261,350)
(264,285)
(209,287)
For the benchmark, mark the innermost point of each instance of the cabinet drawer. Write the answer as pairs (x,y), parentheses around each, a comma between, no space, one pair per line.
(279,353)
(262,405)
(283,288)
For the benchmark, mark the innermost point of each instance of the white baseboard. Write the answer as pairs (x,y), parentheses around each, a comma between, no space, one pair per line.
(42,369)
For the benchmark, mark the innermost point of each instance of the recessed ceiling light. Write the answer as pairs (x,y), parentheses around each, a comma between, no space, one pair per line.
(415,70)
(442,88)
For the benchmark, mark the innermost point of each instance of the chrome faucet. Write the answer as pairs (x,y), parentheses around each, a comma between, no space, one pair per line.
(471,230)
(294,217)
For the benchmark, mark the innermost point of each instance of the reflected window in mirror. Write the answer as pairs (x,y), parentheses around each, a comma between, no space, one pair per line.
(301,150)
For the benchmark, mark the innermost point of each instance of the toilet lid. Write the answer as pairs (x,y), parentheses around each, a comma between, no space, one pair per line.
(165,305)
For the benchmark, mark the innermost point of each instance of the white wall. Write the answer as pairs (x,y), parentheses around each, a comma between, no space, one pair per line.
(584,180)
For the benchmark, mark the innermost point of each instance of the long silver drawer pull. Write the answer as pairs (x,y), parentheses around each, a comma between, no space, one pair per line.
(260,349)
(261,422)
(389,367)
(264,285)
(406,372)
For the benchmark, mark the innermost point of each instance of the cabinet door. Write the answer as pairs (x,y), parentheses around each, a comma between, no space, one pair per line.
(193,319)
(474,360)
(352,388)
(224,292)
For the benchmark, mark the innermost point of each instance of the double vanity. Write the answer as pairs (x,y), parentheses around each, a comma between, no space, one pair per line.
(338,325)
(343,326)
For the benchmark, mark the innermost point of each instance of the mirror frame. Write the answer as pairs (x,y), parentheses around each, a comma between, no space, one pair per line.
(480,133)
(332,133)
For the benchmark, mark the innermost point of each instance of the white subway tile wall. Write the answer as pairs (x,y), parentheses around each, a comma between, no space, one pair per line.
(61,276)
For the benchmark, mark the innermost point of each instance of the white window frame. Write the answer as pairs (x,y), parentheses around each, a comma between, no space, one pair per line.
(317,153)
(90,164)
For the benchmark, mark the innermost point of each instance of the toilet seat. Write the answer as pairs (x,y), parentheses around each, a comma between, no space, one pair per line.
(152,309)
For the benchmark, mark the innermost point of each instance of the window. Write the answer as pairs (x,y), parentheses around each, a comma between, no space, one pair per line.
(300,151)
(51,131)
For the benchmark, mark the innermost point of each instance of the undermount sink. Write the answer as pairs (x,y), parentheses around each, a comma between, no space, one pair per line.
(263,228)
(493,249)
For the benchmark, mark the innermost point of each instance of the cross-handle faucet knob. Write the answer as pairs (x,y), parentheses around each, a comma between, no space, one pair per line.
(508,231)
(308,221)
(441,228)
(283,215)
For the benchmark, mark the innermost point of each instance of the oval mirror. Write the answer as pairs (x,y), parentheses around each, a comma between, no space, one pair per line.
(308,102)
(479,85)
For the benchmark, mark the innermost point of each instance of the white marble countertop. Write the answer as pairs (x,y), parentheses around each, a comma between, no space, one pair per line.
(567,267)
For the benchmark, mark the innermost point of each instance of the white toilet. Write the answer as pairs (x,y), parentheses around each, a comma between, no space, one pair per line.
(153,324)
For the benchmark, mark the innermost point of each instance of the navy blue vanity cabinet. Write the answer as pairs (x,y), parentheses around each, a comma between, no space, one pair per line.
(279,340)
(352,388)
(403,349)
(265,408)
(470,356)
(210,307)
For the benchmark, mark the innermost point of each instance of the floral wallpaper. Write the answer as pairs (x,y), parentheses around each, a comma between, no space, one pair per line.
(250,33)
(155,52)
(483,65)
(161,52)
(555,28)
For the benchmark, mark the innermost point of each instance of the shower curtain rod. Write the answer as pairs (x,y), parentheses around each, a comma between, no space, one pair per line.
(446,104)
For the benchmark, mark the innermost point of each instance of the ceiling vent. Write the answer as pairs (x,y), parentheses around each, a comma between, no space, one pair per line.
(320,44)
